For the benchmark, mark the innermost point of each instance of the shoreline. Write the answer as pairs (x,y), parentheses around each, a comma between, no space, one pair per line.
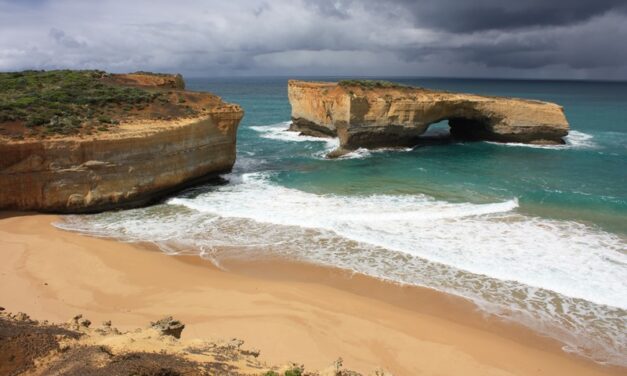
(290,311)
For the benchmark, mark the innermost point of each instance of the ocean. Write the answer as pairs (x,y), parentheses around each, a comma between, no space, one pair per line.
(534,234)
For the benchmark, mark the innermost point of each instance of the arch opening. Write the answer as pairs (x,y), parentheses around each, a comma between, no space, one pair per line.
(455,129)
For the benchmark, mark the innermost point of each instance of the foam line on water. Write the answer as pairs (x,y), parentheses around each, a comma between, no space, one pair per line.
(574,140)
(362,153)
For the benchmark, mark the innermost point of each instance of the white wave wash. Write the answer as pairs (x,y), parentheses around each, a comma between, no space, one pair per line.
(512,247)
(552,275)
(574,140)
(280,132)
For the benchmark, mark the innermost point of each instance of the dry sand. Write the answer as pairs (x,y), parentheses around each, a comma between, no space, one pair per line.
(291,312)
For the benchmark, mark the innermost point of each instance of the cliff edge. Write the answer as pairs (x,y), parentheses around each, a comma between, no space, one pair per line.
(374,114)
(107,141)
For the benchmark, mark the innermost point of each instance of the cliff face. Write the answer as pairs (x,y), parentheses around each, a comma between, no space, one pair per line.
(318,108)
(396,116)
(128,165)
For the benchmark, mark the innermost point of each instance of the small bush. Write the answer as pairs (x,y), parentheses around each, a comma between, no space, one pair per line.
(294,372)
(105,119)
(371,84)
(36,120)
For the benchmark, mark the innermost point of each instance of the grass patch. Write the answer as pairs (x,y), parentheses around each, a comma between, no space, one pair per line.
(371,84)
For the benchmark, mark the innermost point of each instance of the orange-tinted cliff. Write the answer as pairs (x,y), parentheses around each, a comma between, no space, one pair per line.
(130,164)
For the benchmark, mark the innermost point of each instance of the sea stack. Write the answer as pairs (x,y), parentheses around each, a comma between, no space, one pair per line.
(109,141)
(374,114)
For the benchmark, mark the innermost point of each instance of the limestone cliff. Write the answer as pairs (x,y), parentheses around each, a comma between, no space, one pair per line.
(382,115)
(129,164)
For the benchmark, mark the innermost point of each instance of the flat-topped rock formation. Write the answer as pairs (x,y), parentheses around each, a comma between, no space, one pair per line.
(172,140)
(374,114)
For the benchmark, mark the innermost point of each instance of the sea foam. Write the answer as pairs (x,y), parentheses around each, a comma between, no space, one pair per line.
(280,132)
(574,140)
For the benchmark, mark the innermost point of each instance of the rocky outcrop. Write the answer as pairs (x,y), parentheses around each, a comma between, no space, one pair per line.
(30,347)
(129,165)
(168,326)
(387,115)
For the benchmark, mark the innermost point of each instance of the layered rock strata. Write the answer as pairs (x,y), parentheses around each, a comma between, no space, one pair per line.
(129,165)
(388,116)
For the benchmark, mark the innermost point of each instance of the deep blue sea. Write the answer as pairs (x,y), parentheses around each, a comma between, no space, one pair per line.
(530,233)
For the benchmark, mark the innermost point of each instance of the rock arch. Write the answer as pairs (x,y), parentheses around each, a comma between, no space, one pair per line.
(383,116)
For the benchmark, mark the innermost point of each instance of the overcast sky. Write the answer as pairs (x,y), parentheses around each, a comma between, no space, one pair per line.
(584,39)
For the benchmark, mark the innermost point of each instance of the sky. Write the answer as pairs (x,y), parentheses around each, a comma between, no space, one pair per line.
(542,39)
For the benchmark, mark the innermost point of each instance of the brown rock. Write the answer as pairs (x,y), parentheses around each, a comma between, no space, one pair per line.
(387,116)
(168,326)
(21,316)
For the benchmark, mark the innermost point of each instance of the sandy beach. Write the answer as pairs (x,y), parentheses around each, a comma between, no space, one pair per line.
(289,311)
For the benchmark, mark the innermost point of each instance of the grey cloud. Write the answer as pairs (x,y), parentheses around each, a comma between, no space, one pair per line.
(331,8)
(65,40)
(481,15)
(260,9)
(583,46)
(575,38)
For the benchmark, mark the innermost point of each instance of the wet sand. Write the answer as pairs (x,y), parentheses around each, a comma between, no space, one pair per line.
(289,311)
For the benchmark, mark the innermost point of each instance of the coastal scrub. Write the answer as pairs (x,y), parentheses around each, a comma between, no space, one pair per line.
(71,101)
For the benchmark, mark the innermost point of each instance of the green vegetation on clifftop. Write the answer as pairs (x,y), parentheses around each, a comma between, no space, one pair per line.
(65,101)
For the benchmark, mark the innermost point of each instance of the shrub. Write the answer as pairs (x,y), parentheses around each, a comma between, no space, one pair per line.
(36,120)
(105,119)
(294,372)
(371,84)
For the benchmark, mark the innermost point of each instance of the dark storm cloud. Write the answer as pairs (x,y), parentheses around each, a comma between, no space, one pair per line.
(592,45)
(530,38)
(481,15)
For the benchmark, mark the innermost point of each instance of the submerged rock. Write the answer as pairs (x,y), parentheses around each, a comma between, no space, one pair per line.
(374,115)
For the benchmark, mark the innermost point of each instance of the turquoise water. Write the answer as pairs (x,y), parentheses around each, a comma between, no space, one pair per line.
(586,183)
(532,234)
